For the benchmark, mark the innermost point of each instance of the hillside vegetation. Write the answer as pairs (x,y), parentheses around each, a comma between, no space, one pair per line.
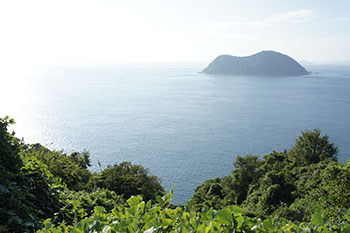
(304,189)
(265,63)
(291,184)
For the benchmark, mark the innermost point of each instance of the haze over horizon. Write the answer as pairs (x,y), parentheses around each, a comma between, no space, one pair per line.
(46,32)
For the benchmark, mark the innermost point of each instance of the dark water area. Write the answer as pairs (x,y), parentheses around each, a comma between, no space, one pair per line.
(184,126)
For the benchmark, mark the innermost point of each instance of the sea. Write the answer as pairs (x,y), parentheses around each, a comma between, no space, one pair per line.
(182,125)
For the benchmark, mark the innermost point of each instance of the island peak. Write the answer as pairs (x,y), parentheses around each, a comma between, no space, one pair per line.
(264,63)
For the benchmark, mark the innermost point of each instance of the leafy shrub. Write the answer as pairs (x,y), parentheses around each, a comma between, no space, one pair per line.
(291,184)
(140,216)
(311,148)
(78,205)
(71,168)
(126,179)
(209,193)
(29,193)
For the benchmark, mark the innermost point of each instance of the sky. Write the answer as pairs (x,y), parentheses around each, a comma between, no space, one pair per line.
(74,31)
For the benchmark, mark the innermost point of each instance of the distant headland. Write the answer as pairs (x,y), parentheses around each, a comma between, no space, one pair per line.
(265,63)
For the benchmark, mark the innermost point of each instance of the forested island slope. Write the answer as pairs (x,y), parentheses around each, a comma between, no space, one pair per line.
(265,63)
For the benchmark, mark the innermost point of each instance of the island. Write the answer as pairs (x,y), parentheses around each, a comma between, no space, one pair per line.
(265,63)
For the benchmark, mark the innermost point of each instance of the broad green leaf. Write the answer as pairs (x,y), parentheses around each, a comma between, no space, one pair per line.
(186,216)
(132,210)
(134,200)
(268,223)
(210,213)
(133,226)
(99,210)
(168,213)
(217,227)
(148,204)
(316,218)
(347,228)
(183,229)
(141,206)
(168,197)
(224,216)
(292,228)
(240,221)
(167,221)
(160,200)
(83,225)
(236,210)
(47,223)
(193,222)
(208,229)
(204,216)
(147,217)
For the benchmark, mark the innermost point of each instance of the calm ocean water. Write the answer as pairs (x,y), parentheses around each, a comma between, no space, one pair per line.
(184,126)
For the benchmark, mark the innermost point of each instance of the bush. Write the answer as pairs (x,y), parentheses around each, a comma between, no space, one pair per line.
(126,179)
(71,168)
(29,193)
(140,216)
(78,205)
(290,184)
(209,193)
(311,148)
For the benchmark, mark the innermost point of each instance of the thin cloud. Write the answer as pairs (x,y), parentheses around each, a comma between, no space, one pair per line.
(276,20)
(292,17)
(342,19)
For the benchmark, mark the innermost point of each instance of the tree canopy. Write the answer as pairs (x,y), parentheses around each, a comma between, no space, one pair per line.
(37,183)
(29,193)
(311,148)
(127,179)
(274,193)
(291,184)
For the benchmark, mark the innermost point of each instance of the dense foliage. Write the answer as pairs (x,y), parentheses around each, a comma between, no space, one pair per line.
(291,184)
(80,204)
(303,189)
(29,193)
(140,216)
(127,180)
(37,183)
(71,168)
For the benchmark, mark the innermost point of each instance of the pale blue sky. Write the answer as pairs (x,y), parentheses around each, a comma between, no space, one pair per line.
(42,32)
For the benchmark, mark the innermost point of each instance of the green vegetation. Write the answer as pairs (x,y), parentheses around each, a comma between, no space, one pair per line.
(72,169)
(81,204)
(140,216)
(304,189)
(292,184)
(37,183)
(28,191)
(127,180)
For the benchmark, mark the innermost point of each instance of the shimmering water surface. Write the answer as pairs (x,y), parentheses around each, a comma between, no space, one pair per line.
(184,126)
